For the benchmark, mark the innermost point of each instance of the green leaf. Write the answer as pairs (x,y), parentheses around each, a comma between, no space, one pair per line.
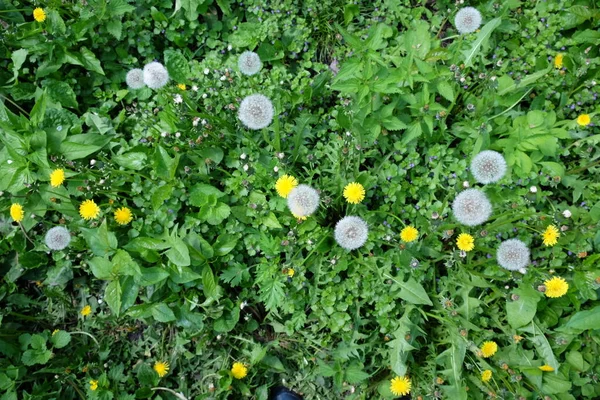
(445,89)
(414,293)
(393,123)
(543,347)
(61,92)
(272,294)
(18,57)
(511,86)
(112,295)
(522,311)
(90,62)
(162,313)
(355,374)
(119,7)
(80,146)
(146,375)
(132,160)
(159,196)
(123,264)
(115,28)
(32,357)
(129,290)
(152,276)
(177,65)
(164,165)
(178,254)
(482,38)
(584,320)
(39,110)
(100,240)
(101,268)
(60,339)
(224,244)
(209,284)
(200,193)
(215,215)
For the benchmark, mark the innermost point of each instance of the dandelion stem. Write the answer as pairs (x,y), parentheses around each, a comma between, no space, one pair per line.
(87,334)
(14,104)
(24,233)
(178,395)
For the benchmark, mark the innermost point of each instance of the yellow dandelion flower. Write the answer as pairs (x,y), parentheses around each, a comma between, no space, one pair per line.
(409,234)
(291,272)
(123,216)
(400,386)
(57,177)
(465,242)
(354,193)
(285,184)
(16,212)
(89,210)
(486,375)
(85,311)
(558,60)
(239,370)
(488,349)
(39,15)
(556,287)
(161,368)
(546,368)
(551,235)
(584,119)
(181,86)
(93,385)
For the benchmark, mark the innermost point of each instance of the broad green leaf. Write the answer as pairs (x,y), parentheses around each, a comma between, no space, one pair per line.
(61,92)
(18,57)
(414,293)
(39,110)
(60,339)
(209,284)
(115,28)
(200,193)
(224,244)
(445,89)
(101,268)
(132,160)
(129,290)
(355,373)
(178,254)
(90,61)
(520,312)
(177,66)
(482,38)
(119,7)
(543,347)
(162,313)
(152,276)
(80,146)
(165,166)
(511,86)
(215,215)
(584,320)
(159,196)
(112,295)
(100,240)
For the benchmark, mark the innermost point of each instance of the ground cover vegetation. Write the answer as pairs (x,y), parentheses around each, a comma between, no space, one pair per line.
(202,199)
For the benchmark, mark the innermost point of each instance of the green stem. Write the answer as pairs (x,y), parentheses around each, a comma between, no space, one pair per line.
(511,107)
(15,104)
(178,395)
(87,334)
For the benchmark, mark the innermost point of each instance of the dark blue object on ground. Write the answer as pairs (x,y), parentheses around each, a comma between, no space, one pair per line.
(281,393)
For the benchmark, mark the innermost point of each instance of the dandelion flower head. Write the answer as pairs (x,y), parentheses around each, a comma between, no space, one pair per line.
(556,287)
(256,111)
(465,242)
(354,193)
(285,184)
(400,386)
(155,75)
(239,370)
(123,216)
(351,232)
(57,238)
(467,20)
(488,166)
(584,120)
(181,86)
(409,234)
(546,368)
(161,368)
(486,375)
(558,60)
(135,79)
(57,177)
(16,212)
(513,254)
(488,349)
(39,14)
(93,385)
(471,207)
(89,210)
(551,235)
(249,63)
(85,311)
(303,200)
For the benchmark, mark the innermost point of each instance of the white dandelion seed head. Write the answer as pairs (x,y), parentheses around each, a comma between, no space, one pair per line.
(155,75)
(513,255)
(249,63)
(303,200)
(351,232)
(256,111)
(58,238)
(467,20)
(471,207)
(135,79)
(488,166)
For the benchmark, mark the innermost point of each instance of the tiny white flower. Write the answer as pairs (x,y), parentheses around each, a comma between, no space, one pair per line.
(195,88)
(223,77)
(280,156)
(243,156)
(243,304)
(203,122)
(466,184)
(246,167)
(101,182)
(164,134)
(229,47)
(523,271)
(177,134)
(92,161)
(9,161)
(348,133)
(195,121)
(276,168)
(566,214)
(99,301)
(178,99)
(206,71)
(533,189)
(281,82)
(219,337)
(204,96)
